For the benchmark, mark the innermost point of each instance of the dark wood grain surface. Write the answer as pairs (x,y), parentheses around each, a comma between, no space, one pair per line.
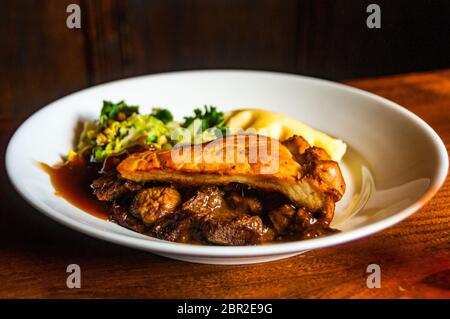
(414,255)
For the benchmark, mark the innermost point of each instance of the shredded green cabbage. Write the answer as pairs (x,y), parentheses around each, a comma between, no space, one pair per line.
(120,126)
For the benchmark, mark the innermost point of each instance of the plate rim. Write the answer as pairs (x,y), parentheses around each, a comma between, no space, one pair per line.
(182,249)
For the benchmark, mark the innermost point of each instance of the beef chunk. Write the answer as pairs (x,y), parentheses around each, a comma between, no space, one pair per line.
(176,227)
(111,186)
(281,218)
(242,230)
(120,214)
(151,204)
(298,223)
(216,223)
(207,200)
(313,225)
(288,220)
(249,205)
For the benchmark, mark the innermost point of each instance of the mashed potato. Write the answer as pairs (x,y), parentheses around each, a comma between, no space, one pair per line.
(282,127)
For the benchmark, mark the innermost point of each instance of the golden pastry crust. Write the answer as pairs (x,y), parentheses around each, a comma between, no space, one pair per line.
(304,174)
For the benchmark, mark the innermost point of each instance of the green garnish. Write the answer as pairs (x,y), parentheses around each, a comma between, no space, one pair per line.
(120,127)
(116,111)
(209,118)
(163,114)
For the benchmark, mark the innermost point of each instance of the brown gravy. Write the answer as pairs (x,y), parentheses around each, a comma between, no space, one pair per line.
(72,181)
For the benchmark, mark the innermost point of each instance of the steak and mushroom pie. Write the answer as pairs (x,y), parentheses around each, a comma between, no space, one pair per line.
(289,194)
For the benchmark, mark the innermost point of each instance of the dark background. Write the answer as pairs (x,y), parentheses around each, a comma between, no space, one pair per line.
(41,59)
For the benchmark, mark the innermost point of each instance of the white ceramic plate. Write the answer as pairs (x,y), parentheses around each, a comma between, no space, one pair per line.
(394,164)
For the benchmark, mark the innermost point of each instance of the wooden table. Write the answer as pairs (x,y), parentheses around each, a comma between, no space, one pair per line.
(414,255)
